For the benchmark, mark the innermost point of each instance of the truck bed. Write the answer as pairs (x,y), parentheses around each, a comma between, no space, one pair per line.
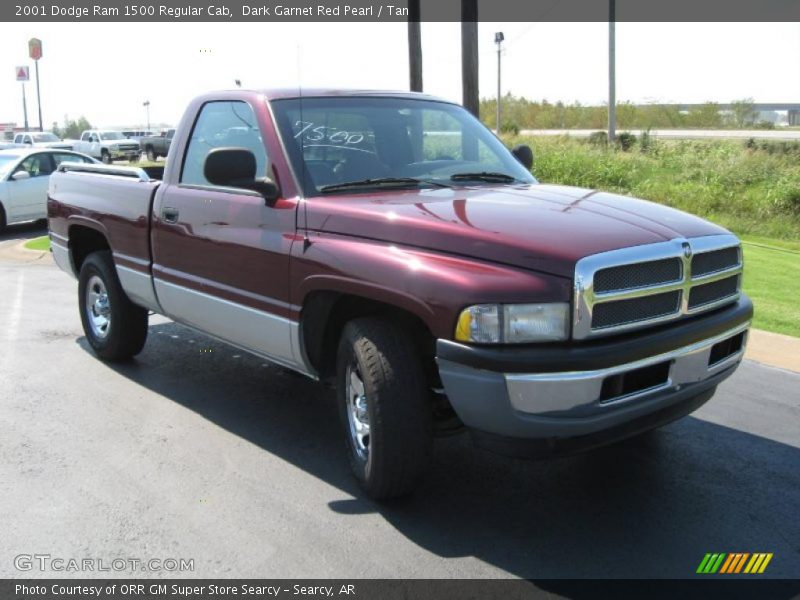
(116,201)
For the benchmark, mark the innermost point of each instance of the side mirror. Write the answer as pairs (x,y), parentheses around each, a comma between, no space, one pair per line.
(524,154)
(20,175)
(236,167)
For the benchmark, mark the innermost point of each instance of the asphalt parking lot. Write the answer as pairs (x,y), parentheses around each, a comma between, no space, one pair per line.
(196,450)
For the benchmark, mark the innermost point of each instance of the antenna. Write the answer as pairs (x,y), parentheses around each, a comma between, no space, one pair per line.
(303,171)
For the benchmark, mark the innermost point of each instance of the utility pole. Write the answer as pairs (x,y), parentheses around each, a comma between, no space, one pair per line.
(25,106)
(498,39)
(469,56)
(146,105)
(612,71)
(414,47)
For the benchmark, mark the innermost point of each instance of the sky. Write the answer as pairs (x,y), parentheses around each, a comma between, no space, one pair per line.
(105,71)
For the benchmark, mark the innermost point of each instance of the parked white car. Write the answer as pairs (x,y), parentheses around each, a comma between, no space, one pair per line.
(108,146)
(41,139)
(24,177)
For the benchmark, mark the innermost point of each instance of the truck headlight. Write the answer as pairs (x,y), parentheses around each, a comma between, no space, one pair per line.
(514,323)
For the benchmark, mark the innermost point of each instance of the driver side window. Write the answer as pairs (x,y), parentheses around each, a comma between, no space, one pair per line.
(38,165)
(222,125)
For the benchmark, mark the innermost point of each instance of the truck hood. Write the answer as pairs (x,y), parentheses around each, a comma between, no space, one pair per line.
(545,228)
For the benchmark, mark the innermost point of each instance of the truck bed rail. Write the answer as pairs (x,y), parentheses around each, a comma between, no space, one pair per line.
(144,174)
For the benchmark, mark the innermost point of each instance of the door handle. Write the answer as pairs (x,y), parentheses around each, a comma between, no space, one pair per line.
(170,215)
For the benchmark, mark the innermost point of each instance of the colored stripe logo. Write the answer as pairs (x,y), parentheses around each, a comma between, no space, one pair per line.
(734,562)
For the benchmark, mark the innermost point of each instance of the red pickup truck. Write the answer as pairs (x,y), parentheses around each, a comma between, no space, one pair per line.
(389,244)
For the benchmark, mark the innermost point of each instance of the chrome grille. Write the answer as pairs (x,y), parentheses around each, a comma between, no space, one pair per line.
(717,260)
(633,310)
(641,286)
(633,276)
(713,292)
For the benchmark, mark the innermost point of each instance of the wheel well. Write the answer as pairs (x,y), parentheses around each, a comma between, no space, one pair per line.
(2,215)
(82,242)
(325,314)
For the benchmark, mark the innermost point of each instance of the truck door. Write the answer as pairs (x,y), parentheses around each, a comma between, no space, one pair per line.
(221,255)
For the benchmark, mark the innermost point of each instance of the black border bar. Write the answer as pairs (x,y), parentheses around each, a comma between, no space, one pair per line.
(280,11)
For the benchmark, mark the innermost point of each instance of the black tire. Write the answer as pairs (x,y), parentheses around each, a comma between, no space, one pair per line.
(151,155)
(126,331)
(134,158)
(400,424)
(2,218)
(105,157)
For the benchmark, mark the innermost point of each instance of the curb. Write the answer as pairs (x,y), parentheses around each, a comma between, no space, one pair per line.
(774,349)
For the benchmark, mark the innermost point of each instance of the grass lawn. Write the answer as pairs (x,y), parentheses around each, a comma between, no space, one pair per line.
(772,280)
(40,243)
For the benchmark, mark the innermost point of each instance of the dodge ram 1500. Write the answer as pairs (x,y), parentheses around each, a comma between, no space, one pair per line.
(389,244)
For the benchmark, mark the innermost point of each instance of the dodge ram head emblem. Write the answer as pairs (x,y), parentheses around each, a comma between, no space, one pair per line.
(687,250)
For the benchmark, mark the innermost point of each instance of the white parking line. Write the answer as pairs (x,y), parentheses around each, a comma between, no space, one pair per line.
(8,334)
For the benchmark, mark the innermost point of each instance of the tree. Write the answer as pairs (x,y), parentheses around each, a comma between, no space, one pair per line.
(73,129)
(743,112)
(707,115)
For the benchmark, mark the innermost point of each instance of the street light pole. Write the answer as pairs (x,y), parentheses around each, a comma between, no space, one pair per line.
(146,105)
(498,39)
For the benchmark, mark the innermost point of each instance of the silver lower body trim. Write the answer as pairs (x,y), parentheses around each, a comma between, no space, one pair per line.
(543,393)
(272,337)
(139,288)
(61,255)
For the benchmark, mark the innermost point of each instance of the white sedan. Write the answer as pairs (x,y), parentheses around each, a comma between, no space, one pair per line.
(24,176)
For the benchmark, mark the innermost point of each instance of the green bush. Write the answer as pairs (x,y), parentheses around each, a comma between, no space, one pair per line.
(625,141)
(598,138)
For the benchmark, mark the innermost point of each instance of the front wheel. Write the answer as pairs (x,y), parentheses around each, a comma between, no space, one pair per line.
(384,404)
(115,327)
(105,157)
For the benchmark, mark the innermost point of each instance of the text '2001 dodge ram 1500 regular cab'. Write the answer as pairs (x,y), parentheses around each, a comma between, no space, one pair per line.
(388,243)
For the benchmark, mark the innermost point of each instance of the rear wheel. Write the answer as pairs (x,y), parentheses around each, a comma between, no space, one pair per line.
(384,407)
(151,155)
(115,328)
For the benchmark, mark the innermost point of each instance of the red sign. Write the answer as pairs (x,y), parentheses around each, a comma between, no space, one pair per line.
(35,48)
(22,73)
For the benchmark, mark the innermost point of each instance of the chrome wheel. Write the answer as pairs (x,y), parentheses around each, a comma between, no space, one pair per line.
(357,413)
(98,308)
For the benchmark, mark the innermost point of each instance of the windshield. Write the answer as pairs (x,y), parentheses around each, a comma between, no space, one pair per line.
(44,137)
(335,141)
(111,135)
(7,162)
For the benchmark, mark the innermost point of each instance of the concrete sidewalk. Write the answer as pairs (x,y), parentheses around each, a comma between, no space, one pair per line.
(773,349)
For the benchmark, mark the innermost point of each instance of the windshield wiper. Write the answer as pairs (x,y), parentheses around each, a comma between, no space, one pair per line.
(484,176)
(379,183)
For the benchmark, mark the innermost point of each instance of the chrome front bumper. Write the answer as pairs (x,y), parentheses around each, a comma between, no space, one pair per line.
(573,401)
(568,392)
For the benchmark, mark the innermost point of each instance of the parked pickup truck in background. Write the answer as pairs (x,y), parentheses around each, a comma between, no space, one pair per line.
(107,146)
(157,145)
(389,244)
(41,139)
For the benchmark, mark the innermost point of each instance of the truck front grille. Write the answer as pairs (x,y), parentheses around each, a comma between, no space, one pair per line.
(713,292)
(611,314)
(641,286)
(632,276)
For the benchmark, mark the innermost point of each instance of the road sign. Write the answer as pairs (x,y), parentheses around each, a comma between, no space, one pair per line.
(23,74)
(35,48)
